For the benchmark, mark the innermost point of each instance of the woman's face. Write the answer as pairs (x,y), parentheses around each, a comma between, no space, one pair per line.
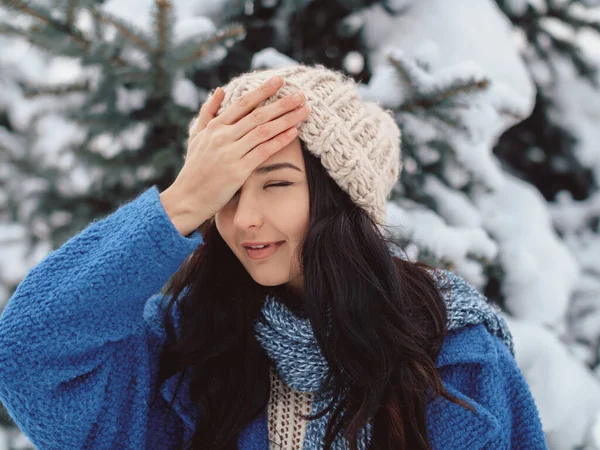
(263,212)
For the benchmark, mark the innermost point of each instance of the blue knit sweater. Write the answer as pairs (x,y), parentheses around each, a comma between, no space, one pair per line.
(80,340)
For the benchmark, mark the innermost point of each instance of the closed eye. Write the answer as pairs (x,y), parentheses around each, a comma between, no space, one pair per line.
(284,183)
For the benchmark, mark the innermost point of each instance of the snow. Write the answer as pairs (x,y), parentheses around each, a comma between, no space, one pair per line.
(585,310)
(129,99)
(399,5)
(442,55)
(577,108)
(185,93)
(15,260)
(139,12)
(541,273)
(454,206)
(570,215)
(58,133)
(567,393)
(434,31)
(354,62)
(379,90)
(110,145)
(593,436)
(269,57)
(430,232)
(482,112)
(191,27)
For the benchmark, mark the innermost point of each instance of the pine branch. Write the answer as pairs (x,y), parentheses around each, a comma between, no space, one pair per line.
(7,29)
(131,75)
(30,91)
(24,164)
(163,7)
(444,118)
(163,32)
(45,17)
(456,87)
(233,31)
(436,97)
(532,24)
(127,30)
(402,70)
(565,15)
(576,55)
(571,49)
(409,74)
(510,113)
(71,7)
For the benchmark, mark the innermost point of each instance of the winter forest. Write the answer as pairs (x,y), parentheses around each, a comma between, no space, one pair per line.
(497,101)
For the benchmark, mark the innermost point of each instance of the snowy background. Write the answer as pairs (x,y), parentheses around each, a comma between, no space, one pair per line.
(498,102)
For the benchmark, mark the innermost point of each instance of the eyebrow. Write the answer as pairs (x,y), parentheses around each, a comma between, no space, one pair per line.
(271,167)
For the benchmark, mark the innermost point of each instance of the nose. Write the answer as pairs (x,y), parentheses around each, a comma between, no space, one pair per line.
(247,211)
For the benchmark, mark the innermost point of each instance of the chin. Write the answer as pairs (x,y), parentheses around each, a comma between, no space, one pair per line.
(269,281)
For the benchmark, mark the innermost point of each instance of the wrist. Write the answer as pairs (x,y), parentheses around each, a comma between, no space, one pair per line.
(175,208)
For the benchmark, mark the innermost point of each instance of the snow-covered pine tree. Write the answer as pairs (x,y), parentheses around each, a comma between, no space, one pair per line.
(116,121)
(556,149)
(11,142)
(541,148)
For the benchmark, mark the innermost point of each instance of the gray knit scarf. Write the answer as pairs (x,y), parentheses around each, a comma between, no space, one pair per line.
(290,343)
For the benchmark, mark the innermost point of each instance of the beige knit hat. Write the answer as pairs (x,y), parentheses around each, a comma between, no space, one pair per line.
(357,141)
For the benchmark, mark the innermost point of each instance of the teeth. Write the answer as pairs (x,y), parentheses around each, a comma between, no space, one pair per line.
(260,246)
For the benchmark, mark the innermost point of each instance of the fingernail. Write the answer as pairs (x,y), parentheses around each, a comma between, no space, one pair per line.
(275,80)
(298,96)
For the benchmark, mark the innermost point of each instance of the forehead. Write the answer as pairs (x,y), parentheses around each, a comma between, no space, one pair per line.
(292,153)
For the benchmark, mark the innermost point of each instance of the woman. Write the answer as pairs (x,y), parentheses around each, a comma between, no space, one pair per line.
(325,339)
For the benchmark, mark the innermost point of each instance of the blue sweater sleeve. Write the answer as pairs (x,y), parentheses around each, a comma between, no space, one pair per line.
(77,319)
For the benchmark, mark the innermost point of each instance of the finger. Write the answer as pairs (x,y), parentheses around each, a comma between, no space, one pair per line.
(264,151)
(267,113)
(266,131)
(207,111)
(249,101)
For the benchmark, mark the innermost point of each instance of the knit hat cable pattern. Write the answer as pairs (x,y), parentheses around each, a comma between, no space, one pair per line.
(357,141)
(290,343)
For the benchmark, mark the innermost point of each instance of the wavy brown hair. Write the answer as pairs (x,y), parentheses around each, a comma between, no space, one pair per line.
(388,323)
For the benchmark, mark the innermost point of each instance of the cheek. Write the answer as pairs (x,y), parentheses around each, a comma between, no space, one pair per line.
(289,213)
(225,227)
(294,213)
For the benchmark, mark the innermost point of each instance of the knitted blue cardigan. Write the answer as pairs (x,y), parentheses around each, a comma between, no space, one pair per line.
(80,340)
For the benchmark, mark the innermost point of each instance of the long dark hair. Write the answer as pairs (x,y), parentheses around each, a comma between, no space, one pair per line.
(388,325)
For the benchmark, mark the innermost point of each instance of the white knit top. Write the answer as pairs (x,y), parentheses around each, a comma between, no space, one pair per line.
(286,428)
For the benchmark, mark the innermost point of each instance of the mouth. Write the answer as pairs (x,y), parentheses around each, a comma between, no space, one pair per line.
(264,252)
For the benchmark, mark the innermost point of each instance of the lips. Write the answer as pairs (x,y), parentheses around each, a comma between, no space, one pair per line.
(257,244)
(264,252)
